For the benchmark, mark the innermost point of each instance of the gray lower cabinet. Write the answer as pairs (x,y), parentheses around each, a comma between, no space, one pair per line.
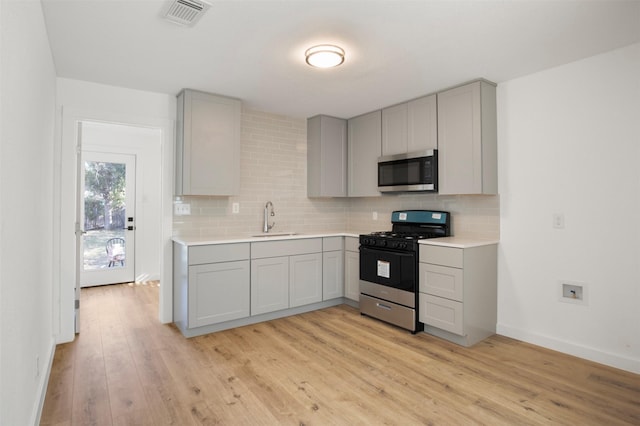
(218,292)
(351,269)
(332,274)
(332,267)
(305,279)
(285,274)
(458,292)
(220,286)
(211,284)
(269,284)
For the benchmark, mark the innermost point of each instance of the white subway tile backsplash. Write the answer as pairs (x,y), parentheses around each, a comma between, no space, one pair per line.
(273,168)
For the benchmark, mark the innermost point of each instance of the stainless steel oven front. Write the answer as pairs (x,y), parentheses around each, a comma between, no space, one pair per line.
(388,286)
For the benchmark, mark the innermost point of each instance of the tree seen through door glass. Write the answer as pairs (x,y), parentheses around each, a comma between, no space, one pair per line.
(104,215)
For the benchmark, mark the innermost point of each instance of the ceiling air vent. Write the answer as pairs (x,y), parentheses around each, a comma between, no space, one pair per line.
(186,12)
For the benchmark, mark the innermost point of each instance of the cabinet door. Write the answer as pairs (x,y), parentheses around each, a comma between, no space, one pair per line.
(394,130)
(326,157)
(352,275)
(364,146)
(332,274)
(442,313)
(305,279)
(218,292)
(208,144)
(269,284)
(422,124)
(467,146)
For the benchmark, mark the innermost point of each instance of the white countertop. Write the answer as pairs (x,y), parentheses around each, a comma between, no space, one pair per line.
(459,242)
(229,239)
(456,242)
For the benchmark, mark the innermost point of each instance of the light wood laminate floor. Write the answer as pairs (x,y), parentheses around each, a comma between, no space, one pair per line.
(329,367)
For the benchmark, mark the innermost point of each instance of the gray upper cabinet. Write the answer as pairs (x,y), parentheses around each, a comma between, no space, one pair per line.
(410,126)
(467,139)
(364,148)
(326,157)
(394,130)
(207,144)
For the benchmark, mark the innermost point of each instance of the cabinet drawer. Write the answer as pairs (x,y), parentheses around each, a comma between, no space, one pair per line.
(388,311)
(442,313)
(332,243)
(446,256)
(218,253)
(351,244)
(441,281)
(285,247)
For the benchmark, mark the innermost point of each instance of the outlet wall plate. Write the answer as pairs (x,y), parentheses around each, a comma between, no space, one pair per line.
(573,292)
(181,209)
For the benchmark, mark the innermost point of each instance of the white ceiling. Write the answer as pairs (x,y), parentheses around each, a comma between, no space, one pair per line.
(396,49)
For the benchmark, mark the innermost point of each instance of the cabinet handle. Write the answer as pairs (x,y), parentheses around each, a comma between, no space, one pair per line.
(380,305)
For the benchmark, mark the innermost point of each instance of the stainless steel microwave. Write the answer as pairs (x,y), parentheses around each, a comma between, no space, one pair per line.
(415,171)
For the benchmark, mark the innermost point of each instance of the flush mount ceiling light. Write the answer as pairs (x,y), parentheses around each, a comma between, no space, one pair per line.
(324,56)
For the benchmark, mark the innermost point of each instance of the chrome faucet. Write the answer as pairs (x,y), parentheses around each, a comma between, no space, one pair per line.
(266,226)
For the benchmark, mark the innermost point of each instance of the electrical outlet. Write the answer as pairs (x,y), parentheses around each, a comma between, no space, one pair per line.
(181,209)
(235,208)
(37,366)
(374,215)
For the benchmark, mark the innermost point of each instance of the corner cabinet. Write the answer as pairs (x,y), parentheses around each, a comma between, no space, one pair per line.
(364,148)
(458,292)
(410,126)
(467,140)
(207,144)
(326,157)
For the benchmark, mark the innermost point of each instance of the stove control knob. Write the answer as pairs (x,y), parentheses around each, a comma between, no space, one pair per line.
(382,243)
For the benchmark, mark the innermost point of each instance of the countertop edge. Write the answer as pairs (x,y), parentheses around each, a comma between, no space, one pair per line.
(198,241)
(459,242)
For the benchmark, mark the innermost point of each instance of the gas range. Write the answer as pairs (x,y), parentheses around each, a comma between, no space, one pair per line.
(389,266)
(410,226)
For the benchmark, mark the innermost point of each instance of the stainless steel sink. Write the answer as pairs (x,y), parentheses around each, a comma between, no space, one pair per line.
(275,234)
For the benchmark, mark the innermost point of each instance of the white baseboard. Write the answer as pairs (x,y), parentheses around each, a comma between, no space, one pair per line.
(42,387)
(571,348)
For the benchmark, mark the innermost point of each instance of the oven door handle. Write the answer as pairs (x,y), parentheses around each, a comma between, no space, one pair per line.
(380,305)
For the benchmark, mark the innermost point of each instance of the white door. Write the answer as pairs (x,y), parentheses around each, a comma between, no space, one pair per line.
(107,217)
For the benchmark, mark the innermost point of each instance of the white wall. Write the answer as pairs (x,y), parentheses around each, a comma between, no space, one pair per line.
(27,102)
(84,101)
(569,142)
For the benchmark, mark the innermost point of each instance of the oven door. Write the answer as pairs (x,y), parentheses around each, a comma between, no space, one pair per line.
(389,268)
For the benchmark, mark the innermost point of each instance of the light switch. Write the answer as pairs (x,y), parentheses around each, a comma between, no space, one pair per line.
(558,220)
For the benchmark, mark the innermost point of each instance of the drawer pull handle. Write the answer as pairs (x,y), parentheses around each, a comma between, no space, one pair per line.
(380,305)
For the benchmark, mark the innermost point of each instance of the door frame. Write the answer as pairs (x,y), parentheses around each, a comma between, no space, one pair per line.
(127,273)
(65,171)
